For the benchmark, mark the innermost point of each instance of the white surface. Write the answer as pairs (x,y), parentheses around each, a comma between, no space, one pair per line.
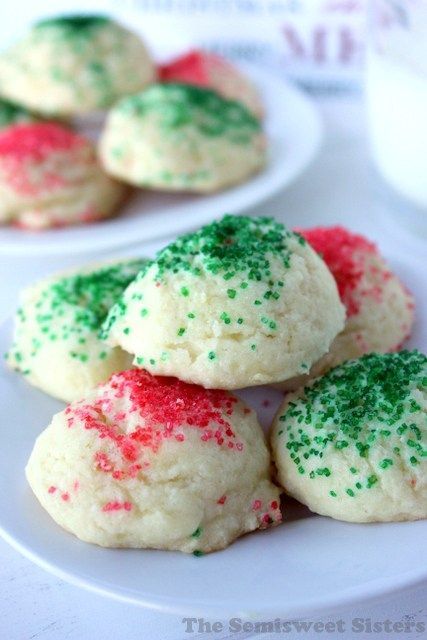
(293,129)
(338,187)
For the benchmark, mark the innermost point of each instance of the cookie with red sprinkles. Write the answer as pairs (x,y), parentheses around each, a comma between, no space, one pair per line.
(50,177)
(207,69)
(150,462)
(56,343)
(379,308)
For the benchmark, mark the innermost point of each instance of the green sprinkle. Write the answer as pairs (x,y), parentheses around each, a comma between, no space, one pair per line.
(231,293)
(371,481)
(185,292)
(211,355)
(181,331)
(197,533)
(356,406)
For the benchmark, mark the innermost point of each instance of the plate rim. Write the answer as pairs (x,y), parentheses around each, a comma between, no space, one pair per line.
(117,236)
(370,590)
(378,589)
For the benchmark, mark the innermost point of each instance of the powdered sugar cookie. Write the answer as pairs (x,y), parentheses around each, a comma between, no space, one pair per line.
(353,444)
(380,310)
(56,337)
(241,302)
(50,176)
(68,65)
(178,137)
(209,70)
(155,463)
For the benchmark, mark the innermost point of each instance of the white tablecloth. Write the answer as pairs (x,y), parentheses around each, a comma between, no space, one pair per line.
(340,186)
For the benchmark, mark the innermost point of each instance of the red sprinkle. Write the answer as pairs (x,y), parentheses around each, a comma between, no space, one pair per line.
(193,67)
(344,253)
(166,406)
(221,500)
(36,141)
(114,505)
(23,146)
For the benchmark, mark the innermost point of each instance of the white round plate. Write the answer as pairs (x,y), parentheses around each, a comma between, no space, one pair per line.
(294,131)
(309,565)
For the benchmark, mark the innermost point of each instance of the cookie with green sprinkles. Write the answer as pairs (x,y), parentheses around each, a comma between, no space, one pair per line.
(12,113)
(181,137)
(56,343)
(153,462)
(241,302)
(353,444)
(73,64)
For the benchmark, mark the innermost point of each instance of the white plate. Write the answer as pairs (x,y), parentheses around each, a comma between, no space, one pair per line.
(308,565)
(294,131)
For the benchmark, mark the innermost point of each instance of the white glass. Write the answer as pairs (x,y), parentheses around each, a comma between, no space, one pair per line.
(397,95)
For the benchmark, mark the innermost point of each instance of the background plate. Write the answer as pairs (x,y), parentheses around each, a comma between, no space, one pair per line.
(294,130)
(309,565)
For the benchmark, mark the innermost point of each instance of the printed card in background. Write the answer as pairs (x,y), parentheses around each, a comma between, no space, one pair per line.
(316,42)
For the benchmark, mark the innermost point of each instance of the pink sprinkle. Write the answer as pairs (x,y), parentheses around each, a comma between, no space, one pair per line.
(115,505)
(65,496)
(51,489)
(256,505)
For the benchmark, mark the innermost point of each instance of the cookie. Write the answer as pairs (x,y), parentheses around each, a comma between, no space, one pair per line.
(353,444)
(241,302)
(50,177)
(155,463)
(68,65)
(12,113)
(178,137)
(206,69)
(56,336)
(379,308)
